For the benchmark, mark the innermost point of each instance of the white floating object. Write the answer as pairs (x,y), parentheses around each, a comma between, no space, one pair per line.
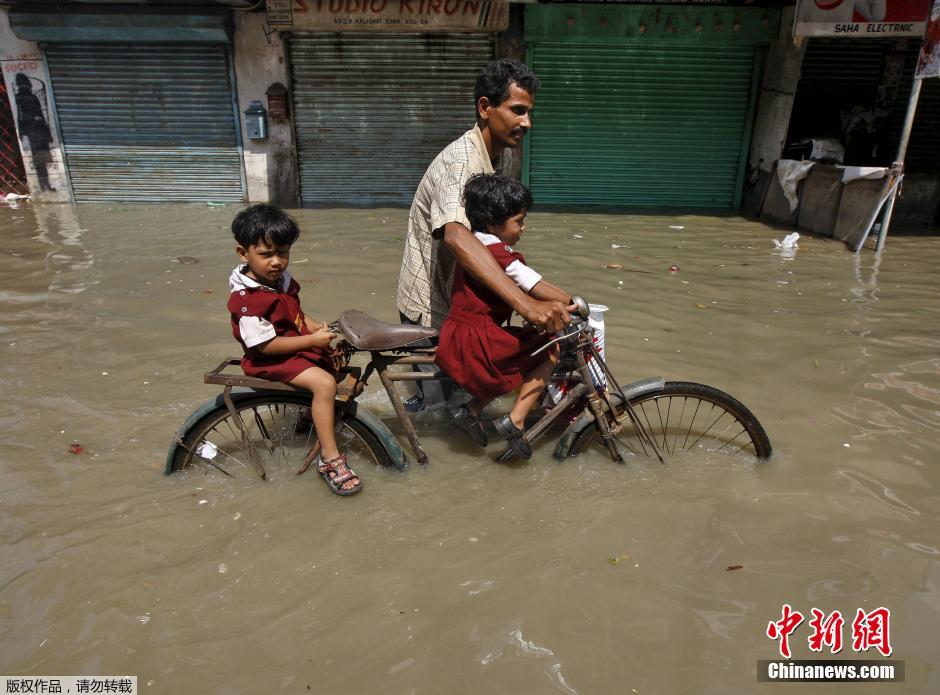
(789,241)
(207,450)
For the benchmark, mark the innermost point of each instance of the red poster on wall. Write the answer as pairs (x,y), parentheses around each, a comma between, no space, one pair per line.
(869,18)
(929,63)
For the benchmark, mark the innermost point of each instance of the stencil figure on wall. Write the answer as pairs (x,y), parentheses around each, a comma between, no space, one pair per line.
(33,126)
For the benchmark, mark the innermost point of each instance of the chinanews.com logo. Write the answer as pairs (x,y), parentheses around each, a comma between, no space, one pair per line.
(869,632)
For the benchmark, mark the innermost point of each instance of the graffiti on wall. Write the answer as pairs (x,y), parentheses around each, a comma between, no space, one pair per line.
(32,121)
(29,92)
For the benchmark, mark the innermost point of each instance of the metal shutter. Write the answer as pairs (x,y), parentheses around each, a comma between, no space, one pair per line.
(661,123)
(147,122)
(372,110)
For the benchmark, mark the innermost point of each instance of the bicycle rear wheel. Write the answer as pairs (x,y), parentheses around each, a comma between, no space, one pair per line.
(681,417)
(277,432)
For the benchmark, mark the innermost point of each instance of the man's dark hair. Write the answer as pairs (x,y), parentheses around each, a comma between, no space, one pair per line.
(493,199)
(493,83)
(264,223)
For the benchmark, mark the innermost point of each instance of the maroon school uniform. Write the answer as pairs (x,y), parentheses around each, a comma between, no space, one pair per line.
(483,356)
(260,313)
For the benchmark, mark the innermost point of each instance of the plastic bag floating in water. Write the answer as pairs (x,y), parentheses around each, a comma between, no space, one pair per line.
(789,241)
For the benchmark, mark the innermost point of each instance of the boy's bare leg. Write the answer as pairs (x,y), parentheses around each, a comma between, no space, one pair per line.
(533,384)
(323,386)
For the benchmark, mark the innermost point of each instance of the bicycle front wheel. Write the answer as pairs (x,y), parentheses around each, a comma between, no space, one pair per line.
(273,430)
(681,417)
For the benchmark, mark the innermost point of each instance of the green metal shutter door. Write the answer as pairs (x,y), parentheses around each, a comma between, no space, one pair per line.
(635,125)
(147,122)
(372,110)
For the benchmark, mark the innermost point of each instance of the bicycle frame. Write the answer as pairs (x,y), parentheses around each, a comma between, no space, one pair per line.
(584,348)
(351,381)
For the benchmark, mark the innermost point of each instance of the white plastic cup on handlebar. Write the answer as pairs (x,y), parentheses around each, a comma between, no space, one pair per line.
(596,321)
(558,384)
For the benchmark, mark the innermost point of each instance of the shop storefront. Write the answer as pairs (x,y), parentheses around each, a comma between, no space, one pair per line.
(144,112)
(372,110)
(379,89)
(856,91)
(644,105)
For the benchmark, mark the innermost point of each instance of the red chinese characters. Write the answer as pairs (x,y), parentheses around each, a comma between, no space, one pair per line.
(783,628)
(827,630)
(871,630)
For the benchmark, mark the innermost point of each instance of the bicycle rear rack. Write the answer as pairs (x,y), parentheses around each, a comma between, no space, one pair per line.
(347,382)
(348,386)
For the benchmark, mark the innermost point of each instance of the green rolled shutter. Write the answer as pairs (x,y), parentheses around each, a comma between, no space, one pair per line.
(641,124)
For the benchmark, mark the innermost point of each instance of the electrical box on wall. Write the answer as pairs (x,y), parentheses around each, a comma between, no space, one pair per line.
(256,121)
(277,101)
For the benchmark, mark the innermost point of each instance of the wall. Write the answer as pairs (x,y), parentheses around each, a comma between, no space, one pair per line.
(30,89)
(260,61)
(918,205)
(781,75)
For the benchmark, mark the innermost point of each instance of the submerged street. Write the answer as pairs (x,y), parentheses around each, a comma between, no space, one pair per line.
(466,576)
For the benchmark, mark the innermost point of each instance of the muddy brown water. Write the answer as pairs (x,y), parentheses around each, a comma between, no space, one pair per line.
(466,576)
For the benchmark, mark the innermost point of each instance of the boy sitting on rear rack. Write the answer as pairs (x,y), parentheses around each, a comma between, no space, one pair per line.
(281,343)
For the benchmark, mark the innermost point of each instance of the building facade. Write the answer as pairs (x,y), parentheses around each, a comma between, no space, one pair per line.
(344,102)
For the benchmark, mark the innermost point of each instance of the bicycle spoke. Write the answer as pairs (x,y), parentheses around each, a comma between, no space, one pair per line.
(276,436)
(684,417)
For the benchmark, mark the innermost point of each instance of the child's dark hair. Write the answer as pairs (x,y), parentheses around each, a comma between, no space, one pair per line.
(264,223)
(496,78)
(493,199)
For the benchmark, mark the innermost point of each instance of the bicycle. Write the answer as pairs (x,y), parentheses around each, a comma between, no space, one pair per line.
(255,425)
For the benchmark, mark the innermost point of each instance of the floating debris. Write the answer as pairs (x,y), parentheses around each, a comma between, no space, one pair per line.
(76,448)
(613,266)
(732,568)
(188,260)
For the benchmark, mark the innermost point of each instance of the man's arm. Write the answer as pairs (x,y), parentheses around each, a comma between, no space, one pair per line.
(551,315)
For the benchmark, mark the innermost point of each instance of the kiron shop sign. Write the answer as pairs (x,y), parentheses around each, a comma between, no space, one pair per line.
(388,15)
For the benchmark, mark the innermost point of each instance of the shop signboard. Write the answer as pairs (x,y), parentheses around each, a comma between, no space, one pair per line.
(389,15)
(929,63)
(861,18)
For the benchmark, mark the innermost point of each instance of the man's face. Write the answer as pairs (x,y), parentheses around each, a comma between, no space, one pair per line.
(510,120)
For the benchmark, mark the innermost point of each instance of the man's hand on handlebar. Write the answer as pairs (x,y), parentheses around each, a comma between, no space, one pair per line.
(549,315)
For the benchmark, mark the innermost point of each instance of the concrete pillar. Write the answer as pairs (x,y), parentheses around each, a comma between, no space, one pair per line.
(781,76)
(27,80)
(260,61)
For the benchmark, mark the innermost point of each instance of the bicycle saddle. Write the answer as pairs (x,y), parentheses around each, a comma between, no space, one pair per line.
(366,333)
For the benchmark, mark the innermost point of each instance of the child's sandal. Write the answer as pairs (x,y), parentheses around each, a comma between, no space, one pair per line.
(335,472)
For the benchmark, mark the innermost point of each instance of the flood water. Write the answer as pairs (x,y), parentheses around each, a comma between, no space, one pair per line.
(466,576)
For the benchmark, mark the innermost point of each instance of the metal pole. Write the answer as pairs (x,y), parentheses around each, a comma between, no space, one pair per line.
(899,160)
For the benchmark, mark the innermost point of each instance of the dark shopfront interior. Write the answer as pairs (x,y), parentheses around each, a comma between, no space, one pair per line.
(856,91)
